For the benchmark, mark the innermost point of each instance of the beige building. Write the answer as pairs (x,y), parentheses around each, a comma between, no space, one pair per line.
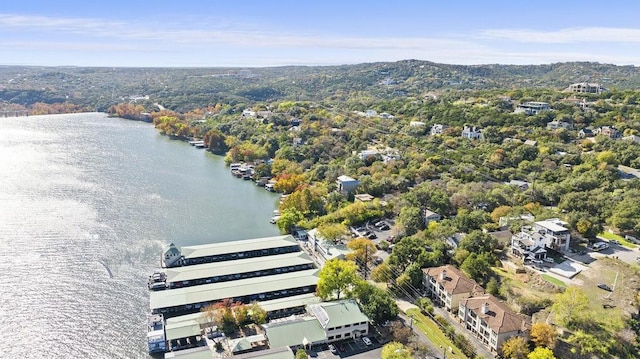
(447,286)
(490,320)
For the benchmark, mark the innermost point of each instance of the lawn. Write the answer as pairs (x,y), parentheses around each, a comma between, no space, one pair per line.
(554,280)
(612,236)
(432,331)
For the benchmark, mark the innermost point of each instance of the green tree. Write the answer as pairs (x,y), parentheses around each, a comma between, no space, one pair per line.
(289,218)
(478,266)
(257,314)
(569,306)
(333,231)
(362,251)
(337,277)
(541,353)
(395,350)
(515,348)
(376,303)
(543,335)
(301,354)
(586,344)
(411,219)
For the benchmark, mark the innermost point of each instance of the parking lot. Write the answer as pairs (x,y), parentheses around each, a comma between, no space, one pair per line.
(380,233)
(355,348)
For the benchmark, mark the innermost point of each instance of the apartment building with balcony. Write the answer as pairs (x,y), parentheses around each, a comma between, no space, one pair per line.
(490,320)
(447,286)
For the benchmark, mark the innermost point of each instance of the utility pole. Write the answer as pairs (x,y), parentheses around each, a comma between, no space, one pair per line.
(366,261)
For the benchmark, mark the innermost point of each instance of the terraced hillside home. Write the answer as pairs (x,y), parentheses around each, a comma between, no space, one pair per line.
(447,286)
(490,320)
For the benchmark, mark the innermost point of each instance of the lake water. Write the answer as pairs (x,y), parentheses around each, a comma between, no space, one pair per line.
(84,197)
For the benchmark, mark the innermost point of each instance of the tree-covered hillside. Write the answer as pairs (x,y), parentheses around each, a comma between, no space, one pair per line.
(184,89)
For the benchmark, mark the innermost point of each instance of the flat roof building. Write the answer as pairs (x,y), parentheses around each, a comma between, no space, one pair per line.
(186,276)
(192,299)
(218,252)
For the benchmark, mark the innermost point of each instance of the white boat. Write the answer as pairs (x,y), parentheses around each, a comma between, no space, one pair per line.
(156,338)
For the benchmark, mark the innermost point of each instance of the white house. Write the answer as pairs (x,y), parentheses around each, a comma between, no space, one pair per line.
(430,216)
(472,132)
(417,124)
(555,124)
(437,129)
(529,244)
(347,184)
(532,108)
(363,155)
(341,319)
(556,234)
(585,87)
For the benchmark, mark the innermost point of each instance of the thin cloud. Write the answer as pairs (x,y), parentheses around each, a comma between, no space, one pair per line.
(563,36)
(177,35)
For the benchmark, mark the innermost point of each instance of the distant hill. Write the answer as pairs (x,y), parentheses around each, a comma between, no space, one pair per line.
(186,88)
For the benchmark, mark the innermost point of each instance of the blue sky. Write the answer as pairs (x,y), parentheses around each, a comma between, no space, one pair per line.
(248,33)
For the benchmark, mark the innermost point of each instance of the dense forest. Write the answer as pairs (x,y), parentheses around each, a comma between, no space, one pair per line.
(379,123)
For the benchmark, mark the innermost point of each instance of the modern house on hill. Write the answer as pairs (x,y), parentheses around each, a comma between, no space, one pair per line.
(347,184)
(532,241)
(490,320)
(472,132)
(585,87)
(532,108)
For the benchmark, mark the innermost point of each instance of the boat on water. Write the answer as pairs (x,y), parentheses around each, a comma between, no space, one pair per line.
(157,281)
(156,337)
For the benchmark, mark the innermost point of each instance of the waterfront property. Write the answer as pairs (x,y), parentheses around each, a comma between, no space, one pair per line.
(219,252)
(187,276)
(324,323)
(192,299)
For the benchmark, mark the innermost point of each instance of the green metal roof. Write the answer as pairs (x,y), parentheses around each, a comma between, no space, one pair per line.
(272,353)
(289,302)
(182,329)
(231,289)
(295,332)
(194,353)
(198,317)
(215,249)
(177,274)
(338,313)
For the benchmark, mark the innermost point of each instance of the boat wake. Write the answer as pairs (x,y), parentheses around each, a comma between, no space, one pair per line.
(107,268)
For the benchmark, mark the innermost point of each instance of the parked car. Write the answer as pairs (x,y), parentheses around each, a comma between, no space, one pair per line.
(537,261)
(605,287)
(367,341)
(333,349)
(613,241)
(549,260)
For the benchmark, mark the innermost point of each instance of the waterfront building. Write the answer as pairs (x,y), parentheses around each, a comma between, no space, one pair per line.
(226,251)
(325,322)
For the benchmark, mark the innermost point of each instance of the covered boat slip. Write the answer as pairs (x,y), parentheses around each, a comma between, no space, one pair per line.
(238,269)
(192,299)
(296,303)
(182,329)
(238,249)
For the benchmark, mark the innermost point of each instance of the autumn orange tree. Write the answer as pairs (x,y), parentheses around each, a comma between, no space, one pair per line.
(543,335)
